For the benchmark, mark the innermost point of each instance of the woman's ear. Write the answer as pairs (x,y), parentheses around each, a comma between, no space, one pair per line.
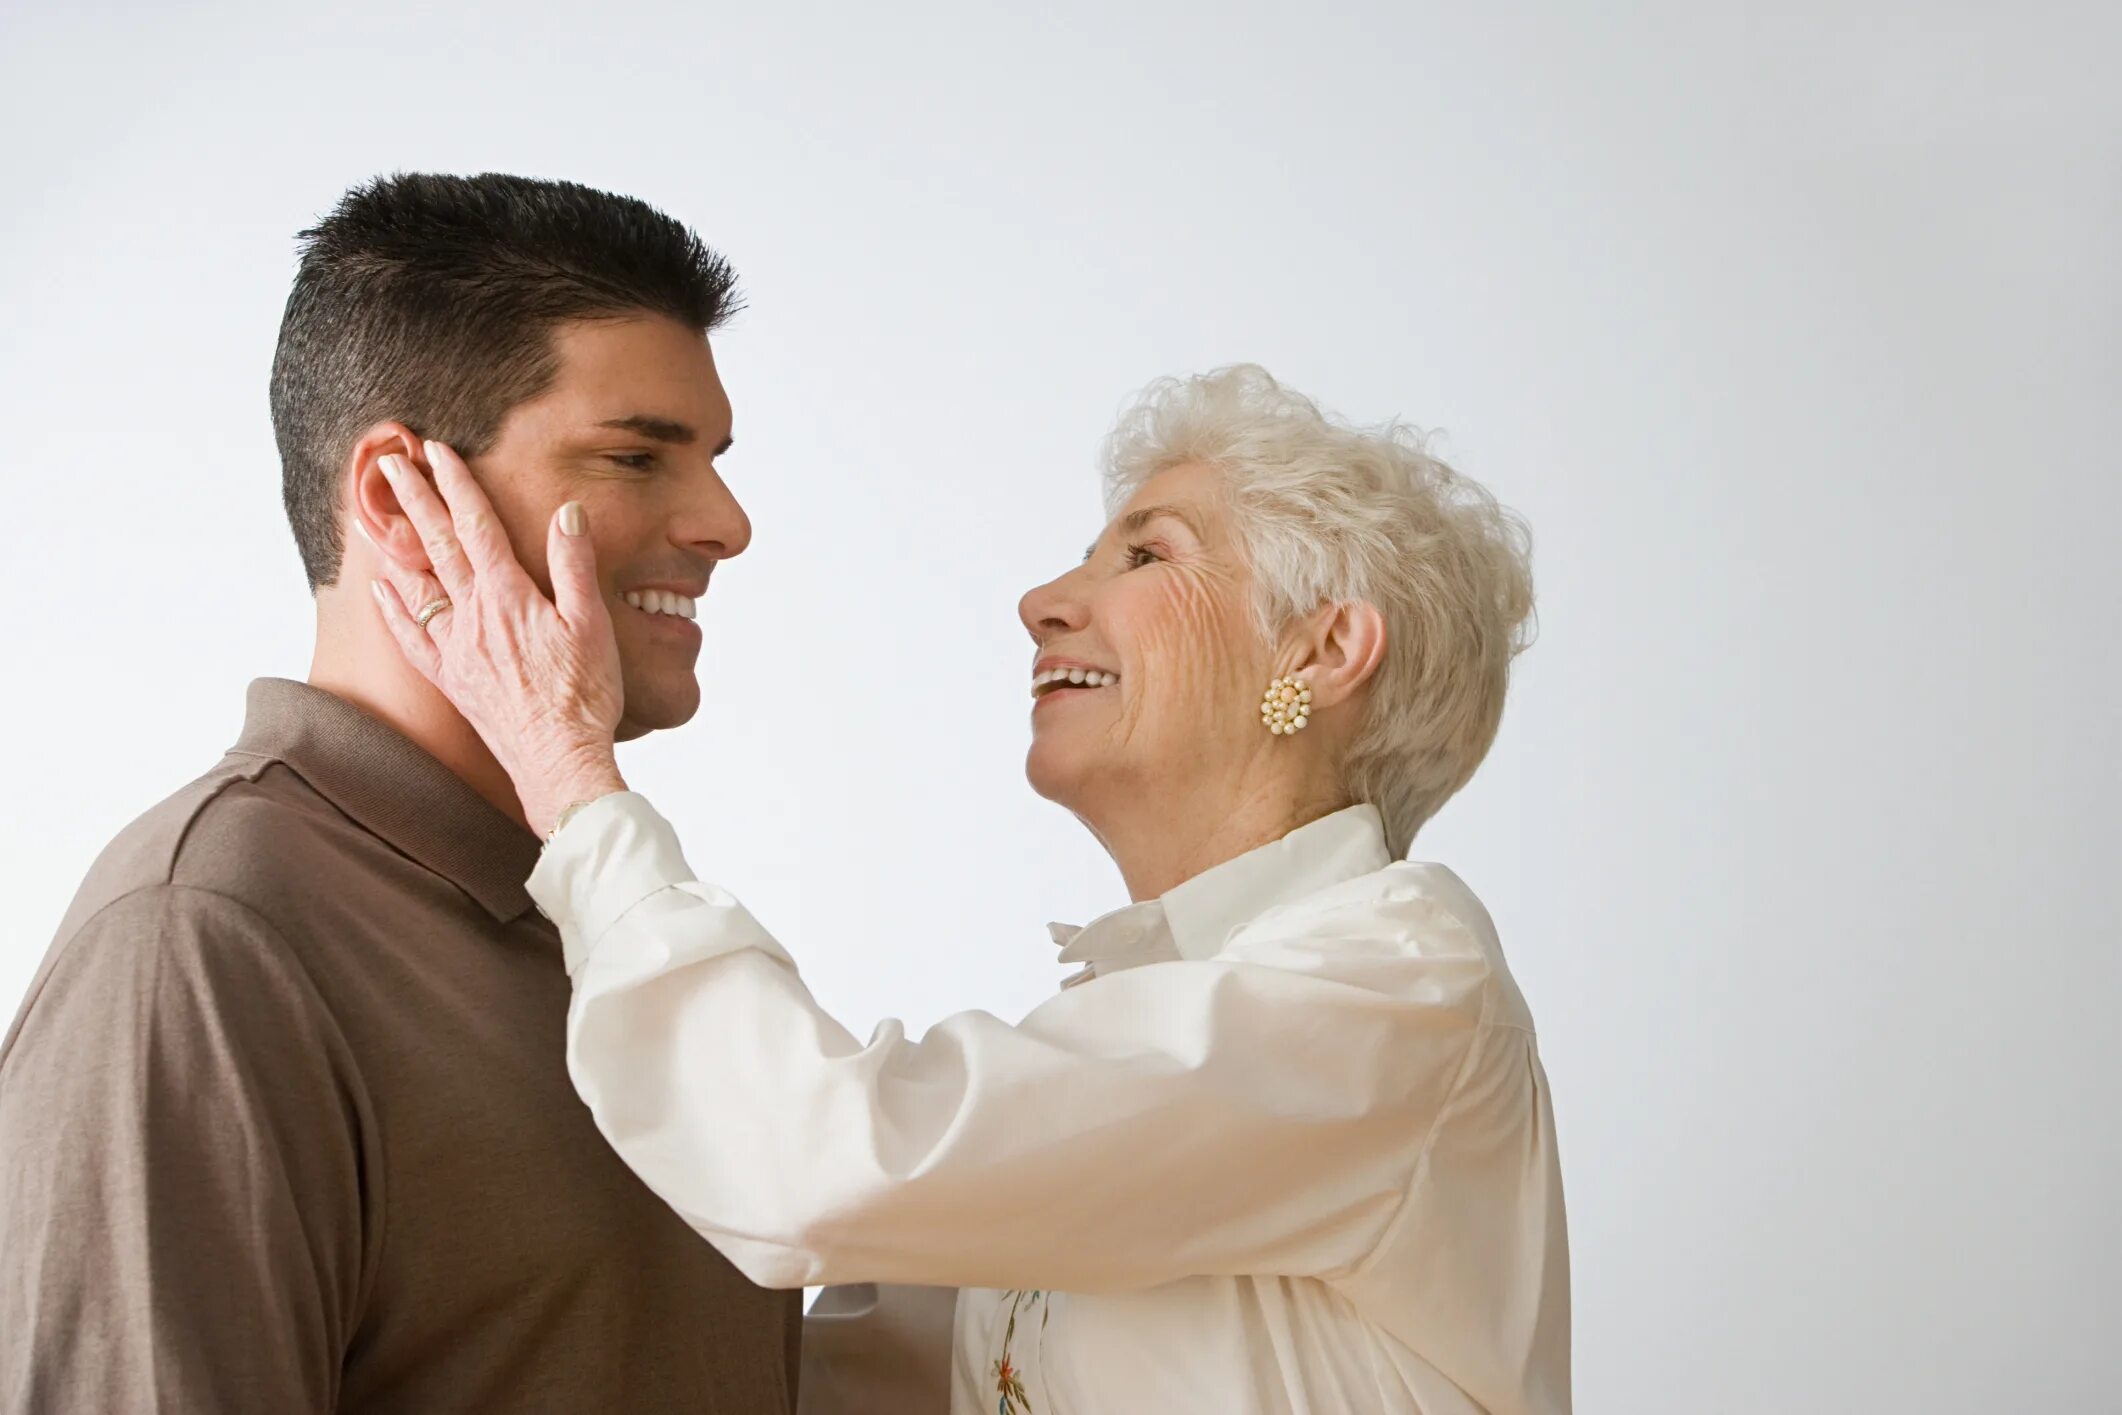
(1342,648)
(372,508)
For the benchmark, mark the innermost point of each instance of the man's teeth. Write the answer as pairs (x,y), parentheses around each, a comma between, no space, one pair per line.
(1074,677)
(663,602)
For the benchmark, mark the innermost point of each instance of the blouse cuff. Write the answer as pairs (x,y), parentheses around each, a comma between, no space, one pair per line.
(609,856)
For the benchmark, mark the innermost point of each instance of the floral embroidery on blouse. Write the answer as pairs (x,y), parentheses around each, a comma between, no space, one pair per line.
(1009,1381)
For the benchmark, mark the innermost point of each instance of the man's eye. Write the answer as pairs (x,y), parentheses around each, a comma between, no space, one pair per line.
(636,461)
(1140,555)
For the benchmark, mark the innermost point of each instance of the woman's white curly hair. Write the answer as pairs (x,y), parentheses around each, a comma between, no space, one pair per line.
(1328,512)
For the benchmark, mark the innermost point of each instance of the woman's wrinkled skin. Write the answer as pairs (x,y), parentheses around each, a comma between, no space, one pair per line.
(1170,767)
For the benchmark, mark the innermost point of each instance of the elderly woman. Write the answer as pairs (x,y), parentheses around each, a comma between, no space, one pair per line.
(1283,1142)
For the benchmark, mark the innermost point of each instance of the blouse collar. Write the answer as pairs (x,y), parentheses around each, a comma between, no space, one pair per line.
(1194,919)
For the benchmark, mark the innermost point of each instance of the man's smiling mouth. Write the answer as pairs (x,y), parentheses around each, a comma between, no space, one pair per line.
(669,602)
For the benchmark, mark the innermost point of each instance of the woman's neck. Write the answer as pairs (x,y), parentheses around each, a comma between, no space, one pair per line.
(1162,847)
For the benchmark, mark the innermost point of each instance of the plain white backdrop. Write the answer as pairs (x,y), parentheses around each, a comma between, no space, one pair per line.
(1795,331)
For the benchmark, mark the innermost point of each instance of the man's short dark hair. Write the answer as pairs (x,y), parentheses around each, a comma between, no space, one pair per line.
(431,301)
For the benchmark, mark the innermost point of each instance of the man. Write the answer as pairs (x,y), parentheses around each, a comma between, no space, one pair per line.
(284,1120)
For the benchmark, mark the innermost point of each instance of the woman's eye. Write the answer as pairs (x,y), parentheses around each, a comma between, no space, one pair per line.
(1140,555)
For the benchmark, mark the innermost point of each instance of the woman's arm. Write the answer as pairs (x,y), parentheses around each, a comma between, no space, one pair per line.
(1250,1114)
(1172,1120)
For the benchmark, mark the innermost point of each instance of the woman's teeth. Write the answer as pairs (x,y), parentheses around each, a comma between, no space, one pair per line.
(1072,677)
(663,602)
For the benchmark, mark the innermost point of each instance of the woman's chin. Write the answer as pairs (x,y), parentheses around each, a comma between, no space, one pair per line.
(1052,772)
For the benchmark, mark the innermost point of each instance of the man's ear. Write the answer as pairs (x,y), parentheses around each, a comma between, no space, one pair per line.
(1341,647)
(372,508)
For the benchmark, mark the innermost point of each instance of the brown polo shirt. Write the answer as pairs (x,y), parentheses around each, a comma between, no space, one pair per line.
(285,1123)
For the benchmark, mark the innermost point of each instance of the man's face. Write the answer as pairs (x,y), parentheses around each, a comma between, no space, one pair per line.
(631,428)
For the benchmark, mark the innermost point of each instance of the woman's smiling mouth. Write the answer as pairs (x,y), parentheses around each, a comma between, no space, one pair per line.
(1062,679)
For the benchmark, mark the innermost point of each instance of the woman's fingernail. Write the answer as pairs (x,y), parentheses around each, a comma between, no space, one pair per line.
(392,466)
(431,448)
(375,587)
(574,521)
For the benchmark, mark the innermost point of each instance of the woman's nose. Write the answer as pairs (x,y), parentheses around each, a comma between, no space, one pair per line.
(1054,607)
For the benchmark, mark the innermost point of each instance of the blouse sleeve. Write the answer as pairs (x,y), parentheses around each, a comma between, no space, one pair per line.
(1259,1113)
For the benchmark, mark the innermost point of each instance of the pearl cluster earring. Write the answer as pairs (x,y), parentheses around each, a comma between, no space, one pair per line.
(1287,706)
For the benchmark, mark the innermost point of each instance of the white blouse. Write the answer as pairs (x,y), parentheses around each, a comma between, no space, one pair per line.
(1282,1145)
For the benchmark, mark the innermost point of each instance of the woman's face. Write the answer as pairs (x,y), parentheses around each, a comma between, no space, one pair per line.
(1163,602)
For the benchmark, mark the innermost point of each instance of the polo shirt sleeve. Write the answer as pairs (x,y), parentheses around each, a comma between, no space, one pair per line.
(180,1201)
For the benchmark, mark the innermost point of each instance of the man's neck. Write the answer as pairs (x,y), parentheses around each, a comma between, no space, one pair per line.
(357,661)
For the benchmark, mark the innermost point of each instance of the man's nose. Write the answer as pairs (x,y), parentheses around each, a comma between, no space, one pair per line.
(713,523)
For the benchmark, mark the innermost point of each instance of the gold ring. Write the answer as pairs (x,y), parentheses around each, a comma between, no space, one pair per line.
(430,610)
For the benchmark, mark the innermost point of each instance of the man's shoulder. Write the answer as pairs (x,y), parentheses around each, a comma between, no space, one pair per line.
(186,899)
(228,856)
(225,833)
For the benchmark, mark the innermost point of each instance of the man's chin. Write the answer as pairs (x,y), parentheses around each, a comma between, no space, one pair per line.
(649,711)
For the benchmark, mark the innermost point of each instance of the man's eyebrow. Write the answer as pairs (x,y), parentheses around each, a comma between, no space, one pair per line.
(654,428)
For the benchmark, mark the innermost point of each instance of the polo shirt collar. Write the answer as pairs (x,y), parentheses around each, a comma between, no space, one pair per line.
(394,789)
